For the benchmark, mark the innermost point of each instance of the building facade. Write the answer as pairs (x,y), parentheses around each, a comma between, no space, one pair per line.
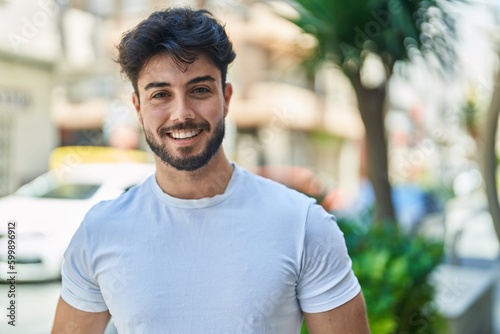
(27,134)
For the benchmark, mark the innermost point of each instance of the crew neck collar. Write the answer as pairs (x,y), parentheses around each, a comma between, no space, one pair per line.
(196,203)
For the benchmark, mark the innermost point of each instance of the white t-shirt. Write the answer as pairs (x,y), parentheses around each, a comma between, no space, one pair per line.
(246,261)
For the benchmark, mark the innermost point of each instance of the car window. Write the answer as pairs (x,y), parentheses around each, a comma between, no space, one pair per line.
(59,191)
(71,191)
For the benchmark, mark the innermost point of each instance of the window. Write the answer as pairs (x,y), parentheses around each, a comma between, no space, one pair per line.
(46,187)
(71,191)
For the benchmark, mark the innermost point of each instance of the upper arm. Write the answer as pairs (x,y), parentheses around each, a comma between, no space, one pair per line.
(347,318)
(326,279)
(71,320)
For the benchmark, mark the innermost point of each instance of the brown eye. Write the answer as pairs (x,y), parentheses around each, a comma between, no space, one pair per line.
(200,90)
(159,95)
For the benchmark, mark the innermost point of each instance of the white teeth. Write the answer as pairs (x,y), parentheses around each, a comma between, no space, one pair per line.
(184,134)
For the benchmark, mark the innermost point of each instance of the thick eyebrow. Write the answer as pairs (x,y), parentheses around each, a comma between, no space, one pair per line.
(201,79)
(156,85)
(190,82)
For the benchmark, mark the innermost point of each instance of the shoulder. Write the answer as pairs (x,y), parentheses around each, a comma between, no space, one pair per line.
(270,201)
(124,205)
(270,189)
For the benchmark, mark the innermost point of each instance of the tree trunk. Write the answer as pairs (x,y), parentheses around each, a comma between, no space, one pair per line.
(371,104)
(489,156)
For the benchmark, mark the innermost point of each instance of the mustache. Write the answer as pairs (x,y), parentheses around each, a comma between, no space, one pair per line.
(190,125)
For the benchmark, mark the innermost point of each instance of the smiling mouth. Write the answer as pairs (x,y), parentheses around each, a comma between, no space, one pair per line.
(184,134)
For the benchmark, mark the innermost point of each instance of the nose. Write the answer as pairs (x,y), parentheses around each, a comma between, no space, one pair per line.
(181,111)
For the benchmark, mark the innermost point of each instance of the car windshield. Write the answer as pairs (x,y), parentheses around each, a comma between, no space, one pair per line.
(71,191)
(47,187)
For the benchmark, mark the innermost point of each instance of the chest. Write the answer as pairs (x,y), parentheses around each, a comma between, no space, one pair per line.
(228,274)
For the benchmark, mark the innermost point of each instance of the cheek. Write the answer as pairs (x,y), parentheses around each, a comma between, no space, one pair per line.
(153,117)
(149,125)
(213,111)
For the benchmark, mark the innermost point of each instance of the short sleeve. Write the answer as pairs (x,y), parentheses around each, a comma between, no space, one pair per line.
(326,279)
(79,288)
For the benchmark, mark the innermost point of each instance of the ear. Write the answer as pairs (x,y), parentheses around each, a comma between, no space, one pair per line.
(137,105)
(228,92)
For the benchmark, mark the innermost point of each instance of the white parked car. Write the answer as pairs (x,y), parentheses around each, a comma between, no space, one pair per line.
(49,209)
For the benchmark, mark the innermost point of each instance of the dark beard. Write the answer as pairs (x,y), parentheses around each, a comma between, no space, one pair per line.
(190,163)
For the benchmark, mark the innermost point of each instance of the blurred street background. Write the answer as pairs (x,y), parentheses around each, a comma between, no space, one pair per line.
(385,111)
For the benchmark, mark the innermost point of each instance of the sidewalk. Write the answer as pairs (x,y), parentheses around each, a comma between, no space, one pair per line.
(472,246)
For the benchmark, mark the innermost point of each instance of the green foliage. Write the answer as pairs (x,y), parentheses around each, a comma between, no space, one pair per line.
(393,269)
(346,30)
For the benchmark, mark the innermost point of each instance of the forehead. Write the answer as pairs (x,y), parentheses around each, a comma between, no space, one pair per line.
(164,68)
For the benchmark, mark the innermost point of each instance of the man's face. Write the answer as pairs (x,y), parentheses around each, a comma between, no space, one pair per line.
(182,110)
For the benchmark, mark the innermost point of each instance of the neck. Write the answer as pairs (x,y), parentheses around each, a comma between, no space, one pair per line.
(208,181)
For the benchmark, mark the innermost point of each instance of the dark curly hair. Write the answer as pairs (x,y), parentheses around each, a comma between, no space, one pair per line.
(183,33)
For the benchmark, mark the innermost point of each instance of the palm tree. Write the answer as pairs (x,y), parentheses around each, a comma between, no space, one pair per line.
(490,161)
(349,33)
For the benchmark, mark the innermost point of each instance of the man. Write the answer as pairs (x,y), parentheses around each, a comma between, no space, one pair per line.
(203,246)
